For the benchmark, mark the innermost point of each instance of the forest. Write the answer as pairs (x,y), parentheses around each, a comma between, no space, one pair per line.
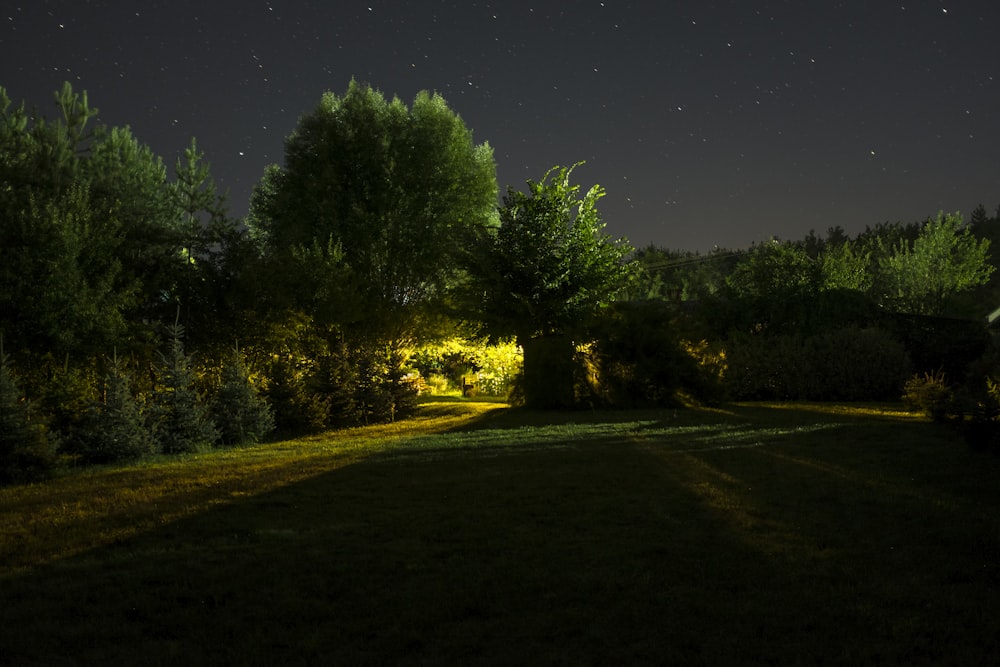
(137,316)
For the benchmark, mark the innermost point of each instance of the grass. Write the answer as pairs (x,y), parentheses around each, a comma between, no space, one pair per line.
(475,534)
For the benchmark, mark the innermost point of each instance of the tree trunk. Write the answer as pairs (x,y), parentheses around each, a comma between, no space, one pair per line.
(548,372)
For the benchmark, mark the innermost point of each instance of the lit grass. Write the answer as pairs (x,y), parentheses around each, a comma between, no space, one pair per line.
(475,534)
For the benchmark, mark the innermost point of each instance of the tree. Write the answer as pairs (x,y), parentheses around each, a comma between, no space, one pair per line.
(115,429)
(845,266)
(545,271)
(26,447)
(945,259)
(61,284)
(398,192)
(95,243)
(181,422)
(774,270)
(241,414)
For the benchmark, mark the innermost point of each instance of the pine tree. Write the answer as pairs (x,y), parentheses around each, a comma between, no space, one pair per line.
(242,415)
(26,449)
(181,422)
(115,430)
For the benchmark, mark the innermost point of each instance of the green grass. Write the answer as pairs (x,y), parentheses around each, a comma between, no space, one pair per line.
(476,534)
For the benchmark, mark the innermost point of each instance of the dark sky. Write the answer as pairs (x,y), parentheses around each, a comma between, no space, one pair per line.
(709,123)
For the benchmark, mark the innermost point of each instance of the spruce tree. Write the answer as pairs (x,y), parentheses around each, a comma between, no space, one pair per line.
(116,430)
(26,449)
(181,422)
(242,415)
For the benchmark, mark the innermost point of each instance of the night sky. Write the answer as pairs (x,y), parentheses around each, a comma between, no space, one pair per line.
(709,123)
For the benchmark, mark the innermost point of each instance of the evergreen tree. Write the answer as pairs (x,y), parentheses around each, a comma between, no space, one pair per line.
(242,415)
(115,430)
(26,448)
(181,422)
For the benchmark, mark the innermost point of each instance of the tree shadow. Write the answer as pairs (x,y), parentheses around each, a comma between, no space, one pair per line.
(622,549)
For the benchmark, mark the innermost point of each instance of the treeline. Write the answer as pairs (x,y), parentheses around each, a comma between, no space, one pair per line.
(895,308)
(137,316)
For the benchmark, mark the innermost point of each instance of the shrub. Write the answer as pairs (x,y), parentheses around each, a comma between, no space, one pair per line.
(855,364)
(638,359)
(850,364)
(929,394)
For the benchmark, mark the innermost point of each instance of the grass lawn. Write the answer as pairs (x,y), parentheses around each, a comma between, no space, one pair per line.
(476,534)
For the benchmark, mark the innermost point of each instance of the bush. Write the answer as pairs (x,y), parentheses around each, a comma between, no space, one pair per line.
(855,364)
(929,394)
(638,359)
(850,364)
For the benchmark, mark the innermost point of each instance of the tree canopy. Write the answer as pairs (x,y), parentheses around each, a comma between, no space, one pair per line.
(545,272)
(391,195)
(94,240)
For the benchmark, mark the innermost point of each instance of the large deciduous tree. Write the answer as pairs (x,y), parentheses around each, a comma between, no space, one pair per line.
(387,198)
(945,259)
(546,270)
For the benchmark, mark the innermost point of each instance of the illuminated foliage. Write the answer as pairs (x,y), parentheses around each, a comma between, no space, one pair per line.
(398,192)
(944,260)
(545,273)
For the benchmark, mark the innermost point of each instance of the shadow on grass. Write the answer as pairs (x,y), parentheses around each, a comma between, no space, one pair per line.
(647,540)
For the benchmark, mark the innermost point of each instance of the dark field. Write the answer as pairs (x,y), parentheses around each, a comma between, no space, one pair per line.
(476,534)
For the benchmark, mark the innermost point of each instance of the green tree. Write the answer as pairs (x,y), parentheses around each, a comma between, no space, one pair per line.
(116,430)
(945,259)
(546,270)
(774,270)
(397,192)
(95,244)
(26,447)
(180,420)
(846,266)
(242,416)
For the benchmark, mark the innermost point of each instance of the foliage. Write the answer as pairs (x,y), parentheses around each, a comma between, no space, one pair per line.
(296,408)
(180,419)
(930,394)
(847,266)
(444,364)
(399,192)
(945,259)
(115,429)
(638,360)
(66,399)
(774,270)
(673,275)
(383,393)
(239,412)
(850,364)
(95,244)
(27,448)
(546,271)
